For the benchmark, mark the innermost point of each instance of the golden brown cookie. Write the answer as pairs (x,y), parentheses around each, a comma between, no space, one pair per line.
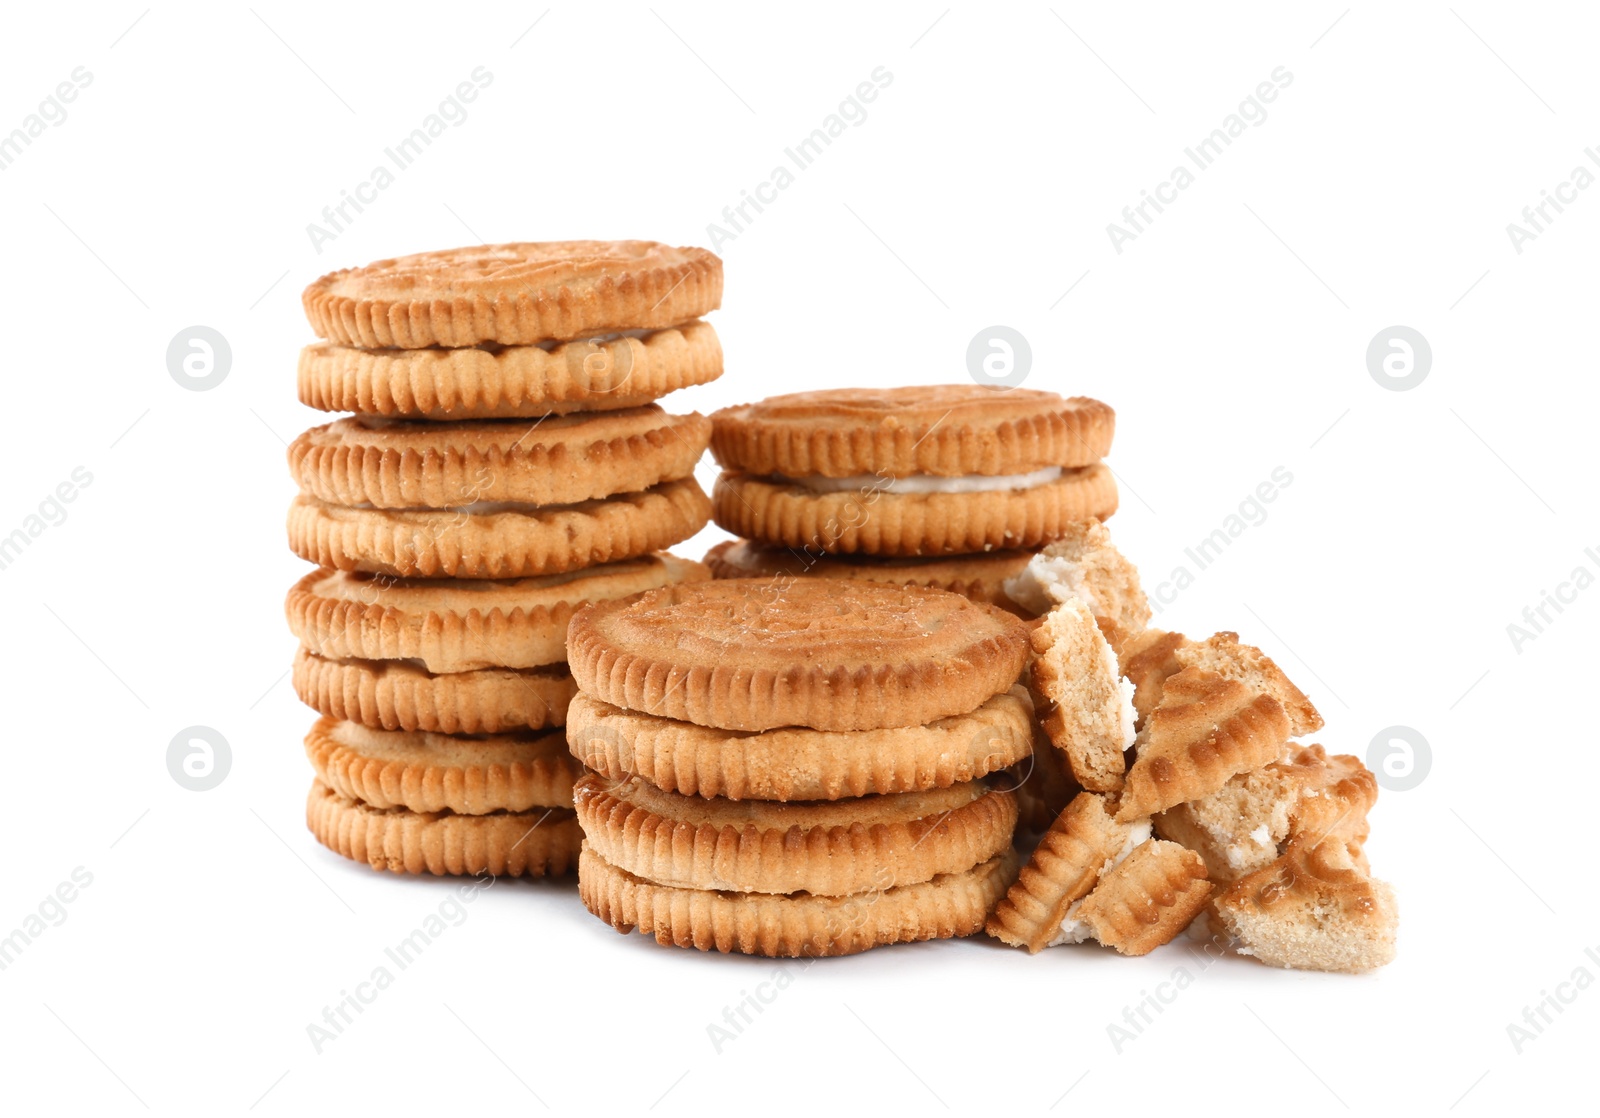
(1315,908)
(947,430)
(827,849)
(531,843)
(1205,730)
(980,577)
(1143,901)
(1146,660)
(879,517)
(1042,784)
(1081,844)
(1223,654)
(368,461)
(745,654)
(461,625)
(1241,827)
(799,763)
(510,542)
(1084,705)
(514,294)
(508,382)
(402,695)
(799,926)
(1086,565)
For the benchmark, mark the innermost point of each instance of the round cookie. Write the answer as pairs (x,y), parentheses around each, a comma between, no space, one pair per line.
(514,294)
(512,844)
(463,625)
(401,695)
(442,772)
(511,542)
(870,843)
(366,461)
(799,764)
(875,520)
(980,577)
(946,430)
(794,926)
(494,382)
(742,654)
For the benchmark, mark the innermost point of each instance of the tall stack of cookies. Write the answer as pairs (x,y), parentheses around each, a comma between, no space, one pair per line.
(796,768)
(951,486)
(505,465)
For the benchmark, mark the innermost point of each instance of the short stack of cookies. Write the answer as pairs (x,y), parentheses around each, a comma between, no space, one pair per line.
(951,486)
(505,465)
(796,768)
(1219,823)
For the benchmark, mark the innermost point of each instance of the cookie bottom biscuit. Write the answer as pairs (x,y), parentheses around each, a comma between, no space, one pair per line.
(796,763)
(531,843)
(799,926)
(879,522)
(466,543)
(400,695)
(981,577)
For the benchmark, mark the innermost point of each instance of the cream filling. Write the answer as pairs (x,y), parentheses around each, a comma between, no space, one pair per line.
(598,339)
(1126,713)
(925,483)
(1049,580)
(1074,930)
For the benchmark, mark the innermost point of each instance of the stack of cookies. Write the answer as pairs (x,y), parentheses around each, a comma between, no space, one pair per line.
(505,465)
(951,486)
(1219,815)
(796,768)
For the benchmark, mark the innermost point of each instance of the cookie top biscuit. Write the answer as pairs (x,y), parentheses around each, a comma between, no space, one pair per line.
(945,430)
(757,654)
(514,294)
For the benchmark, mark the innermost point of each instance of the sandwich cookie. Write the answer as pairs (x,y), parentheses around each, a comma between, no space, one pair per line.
(372,462)
(798,926)
(529,843)
(796,762)
(490,381)
(914,471)
(1086,565)
(514,294)
(741,654)
(981,577)
(496,540)
(1084,704)
(871,843)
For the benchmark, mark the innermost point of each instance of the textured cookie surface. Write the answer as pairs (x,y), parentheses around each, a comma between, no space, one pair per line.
(1146,900)
(1081,842)
(401,695)
(742,654)
(494,382)
(440,772)
(798,926)
(1205,730)
(517,542)
(871,520)
(459,625)
(556,460)
(947,430)
(825,849)
(514,844)
(981,577)
(799,764)
(514,294)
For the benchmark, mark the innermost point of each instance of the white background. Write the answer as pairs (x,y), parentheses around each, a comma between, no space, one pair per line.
(1230,336)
